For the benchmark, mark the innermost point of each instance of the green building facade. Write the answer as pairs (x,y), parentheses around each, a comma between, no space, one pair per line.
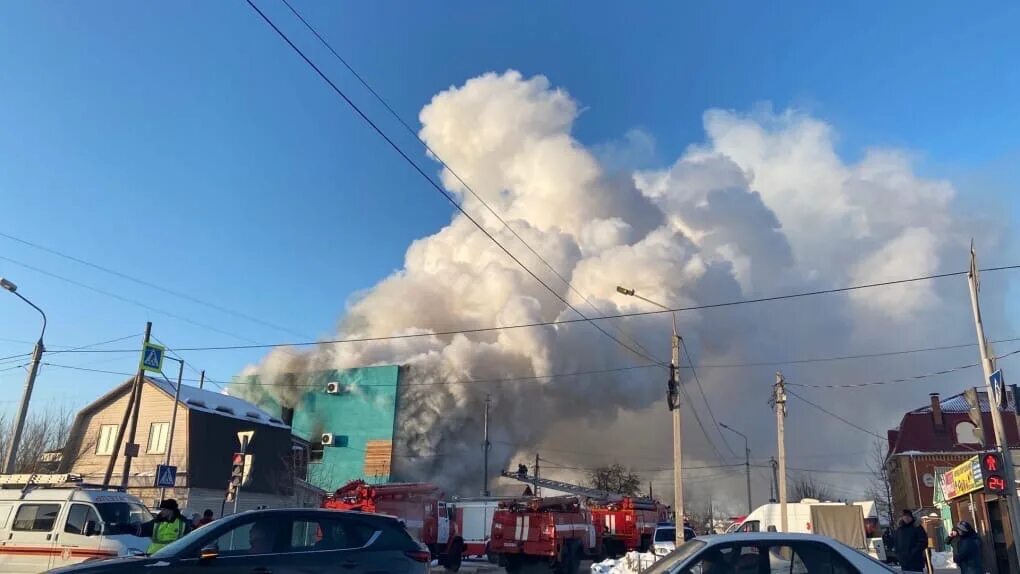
(356,406)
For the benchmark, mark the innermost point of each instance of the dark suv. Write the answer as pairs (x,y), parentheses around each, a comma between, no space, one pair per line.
(285,541)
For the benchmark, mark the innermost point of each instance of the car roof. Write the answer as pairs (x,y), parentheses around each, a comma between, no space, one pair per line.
(325,512)
(762,536)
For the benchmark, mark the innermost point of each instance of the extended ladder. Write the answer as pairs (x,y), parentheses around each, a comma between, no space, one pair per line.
(593,493)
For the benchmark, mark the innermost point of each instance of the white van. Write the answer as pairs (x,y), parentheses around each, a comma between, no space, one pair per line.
(44,527)
(767,518)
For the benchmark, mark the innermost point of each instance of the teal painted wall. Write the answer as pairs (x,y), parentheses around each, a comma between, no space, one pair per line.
(363,411)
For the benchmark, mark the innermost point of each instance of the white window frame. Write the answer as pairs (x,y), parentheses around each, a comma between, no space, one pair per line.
(152,449)
(107,448)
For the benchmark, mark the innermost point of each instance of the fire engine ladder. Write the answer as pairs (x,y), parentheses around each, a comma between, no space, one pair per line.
(567,487)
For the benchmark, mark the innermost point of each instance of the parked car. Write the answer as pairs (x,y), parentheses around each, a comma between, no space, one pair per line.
(664,539)
(283,541)
(765,553)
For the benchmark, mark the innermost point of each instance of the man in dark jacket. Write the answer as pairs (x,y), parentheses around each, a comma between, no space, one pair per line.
(911,540)
(967,552)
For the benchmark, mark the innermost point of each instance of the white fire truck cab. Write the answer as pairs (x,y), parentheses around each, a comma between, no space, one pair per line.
(49,521)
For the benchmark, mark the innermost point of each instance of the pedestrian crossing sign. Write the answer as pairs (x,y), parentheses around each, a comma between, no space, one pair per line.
(166,476)
(152,357)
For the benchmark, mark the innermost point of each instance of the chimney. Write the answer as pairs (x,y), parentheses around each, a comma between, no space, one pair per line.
(936,411)
(287,414)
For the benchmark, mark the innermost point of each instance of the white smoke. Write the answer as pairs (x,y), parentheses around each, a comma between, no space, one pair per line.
(763,206)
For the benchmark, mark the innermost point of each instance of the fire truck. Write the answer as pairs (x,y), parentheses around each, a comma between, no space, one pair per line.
(622,523)
(555,532)
(419,505)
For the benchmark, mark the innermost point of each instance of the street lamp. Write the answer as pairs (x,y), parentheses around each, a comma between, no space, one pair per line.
(747,462)
(673,402)
(11,457)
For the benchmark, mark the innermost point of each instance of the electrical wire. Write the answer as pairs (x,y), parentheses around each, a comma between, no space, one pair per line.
(435,185)
(150,285)
(690,360)
(834,415)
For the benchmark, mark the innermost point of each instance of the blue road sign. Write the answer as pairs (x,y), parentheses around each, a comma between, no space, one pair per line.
(166,476)
(152,357)
(998,388)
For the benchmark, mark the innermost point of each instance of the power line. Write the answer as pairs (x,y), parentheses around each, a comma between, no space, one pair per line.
(151,285)
(835,416)
(438,187)
(124,299)
(613,317)
(704,397)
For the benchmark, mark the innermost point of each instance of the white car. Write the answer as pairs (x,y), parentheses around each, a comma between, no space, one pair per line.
(767,553)
(664,539)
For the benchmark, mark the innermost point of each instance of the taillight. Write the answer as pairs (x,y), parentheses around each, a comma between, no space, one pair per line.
(419,555)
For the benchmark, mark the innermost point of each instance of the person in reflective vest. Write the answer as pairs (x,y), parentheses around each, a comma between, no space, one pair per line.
(167,527)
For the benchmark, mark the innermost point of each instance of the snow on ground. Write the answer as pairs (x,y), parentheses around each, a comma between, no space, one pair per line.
(631,563)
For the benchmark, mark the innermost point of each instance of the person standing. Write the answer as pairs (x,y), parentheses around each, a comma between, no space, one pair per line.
(967,551)
(911,540)
(207,517)
(167,527)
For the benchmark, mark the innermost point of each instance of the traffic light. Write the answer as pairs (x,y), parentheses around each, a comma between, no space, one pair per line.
(991,470)
(236,476)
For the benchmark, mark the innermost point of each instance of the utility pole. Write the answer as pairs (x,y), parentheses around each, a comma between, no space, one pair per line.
(131,448)
(536,491)
(774,485)
(128,409)
(485,449)
(11,456)
(779,402)
(747,461)
(1000,430)
(173,419)
(201,379)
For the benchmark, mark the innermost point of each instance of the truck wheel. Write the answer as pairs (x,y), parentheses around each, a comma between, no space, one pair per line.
(492,558)
(513,564)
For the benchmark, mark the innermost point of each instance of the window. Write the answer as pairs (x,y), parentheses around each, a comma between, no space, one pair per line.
(250,538)
(123,517)
(5,513)
(158,434)
(750,526)
(300,462)
(78,516)
(36,517)
(316,453)
(665,534)
(966,433)
(311,534)
(107,437)
(807,558)
(735,559)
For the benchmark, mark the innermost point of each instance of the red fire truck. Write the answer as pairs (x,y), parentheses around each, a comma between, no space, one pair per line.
(552,532)
(418,504)
(622,523)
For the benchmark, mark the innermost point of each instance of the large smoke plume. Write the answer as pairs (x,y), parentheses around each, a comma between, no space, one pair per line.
(763,206)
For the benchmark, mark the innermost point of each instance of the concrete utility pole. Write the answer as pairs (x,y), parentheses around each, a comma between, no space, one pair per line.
(201,379)
(485,449)
(11,457)
(173,418)
(673,402)
(774,485)
(536,491)
(779,400)
(134,397)
(1000,430)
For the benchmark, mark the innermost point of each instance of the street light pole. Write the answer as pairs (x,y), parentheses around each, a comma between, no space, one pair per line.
(11,457)
(673,402)
(747,462)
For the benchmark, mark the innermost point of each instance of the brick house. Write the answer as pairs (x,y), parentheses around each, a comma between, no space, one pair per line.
(935,438)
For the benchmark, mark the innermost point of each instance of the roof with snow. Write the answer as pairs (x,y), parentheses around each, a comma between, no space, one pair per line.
(958,404)
(217,403)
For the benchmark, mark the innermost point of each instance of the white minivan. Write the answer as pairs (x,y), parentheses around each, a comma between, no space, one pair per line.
(48,527)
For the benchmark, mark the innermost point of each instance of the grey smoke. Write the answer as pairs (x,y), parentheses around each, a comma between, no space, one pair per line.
(763,206)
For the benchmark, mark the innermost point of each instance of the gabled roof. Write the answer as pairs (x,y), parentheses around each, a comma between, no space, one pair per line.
(197,399)
(958,404)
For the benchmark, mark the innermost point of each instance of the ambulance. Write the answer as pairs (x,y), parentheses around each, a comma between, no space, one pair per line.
(49,521)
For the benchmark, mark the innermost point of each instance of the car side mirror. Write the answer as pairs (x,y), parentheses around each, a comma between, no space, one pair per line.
(91,528)
(209,552)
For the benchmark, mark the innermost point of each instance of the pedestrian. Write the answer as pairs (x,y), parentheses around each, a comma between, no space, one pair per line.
(167,527)
(967,551)
(207,517)
(911,540)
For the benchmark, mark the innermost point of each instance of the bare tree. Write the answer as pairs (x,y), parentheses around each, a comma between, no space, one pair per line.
(805,486)
(615,478)
(879,489)
(44,435)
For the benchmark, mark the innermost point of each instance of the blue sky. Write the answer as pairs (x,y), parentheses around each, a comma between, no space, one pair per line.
(184,144)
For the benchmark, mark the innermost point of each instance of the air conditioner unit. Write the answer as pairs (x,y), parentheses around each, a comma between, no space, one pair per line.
(333,388)
(327,437)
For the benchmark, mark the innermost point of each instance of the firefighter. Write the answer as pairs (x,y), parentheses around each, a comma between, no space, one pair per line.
(522,471)
(167,527)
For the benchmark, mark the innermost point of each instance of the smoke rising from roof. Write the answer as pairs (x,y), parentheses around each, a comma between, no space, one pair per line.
(763,206)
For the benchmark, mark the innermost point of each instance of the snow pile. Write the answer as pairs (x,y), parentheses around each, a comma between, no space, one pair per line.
(942,560)
(631,563)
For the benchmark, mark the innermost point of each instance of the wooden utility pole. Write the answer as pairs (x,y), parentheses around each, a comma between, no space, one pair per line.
(133,398)
(779,402)
(485,448)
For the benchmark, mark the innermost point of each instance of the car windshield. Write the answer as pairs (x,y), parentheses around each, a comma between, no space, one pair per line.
(665,535)
(683,552)
(123,517)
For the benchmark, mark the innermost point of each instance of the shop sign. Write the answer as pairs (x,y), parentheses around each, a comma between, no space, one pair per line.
(962,479)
